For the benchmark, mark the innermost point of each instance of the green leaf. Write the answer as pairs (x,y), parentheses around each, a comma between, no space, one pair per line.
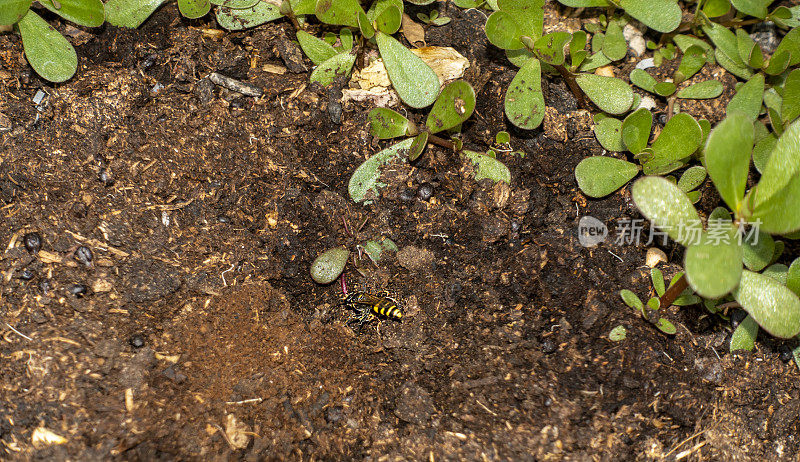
(692,61)
(778,272)
(617,334)
(131,14)
(665,88)
(692,178)
(790,44)
(793,277)
(379,6)
(487,167)
(299,7)
(529,14)
(757,8)
(594,61)
(778,191)
(680,138)
(329,265)
(725,41)
(778,63)
(385,123)
(317,50)
(713,263)
(773,306)
(365,26)
(614,45)
(11,11)
(238,19)
(702,90)
(502,137)
(524,101)
(667,207)
(631,300)
(453,106)
(550,48)
(415,82)
(609,133)
(237,3)
(715,8)
(732,66)
(666,327)
(636,130)
(684,42)
(519,57)
(790,106)
(727,156)
(340,64)
(373,250)
(661,15)
(757,251)
(339,12)
(599,176)
(658,281)
(388,22)
(583,3)
(194,9)
(87,13)
(610,94)
(748,98)
(744,337)
(47,51)
(762,151)
(365,178)
(418,146)
(503,31)
(643,80)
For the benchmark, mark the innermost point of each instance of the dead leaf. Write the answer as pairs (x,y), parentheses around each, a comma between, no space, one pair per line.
(42,437)
(413,31)
(237,432)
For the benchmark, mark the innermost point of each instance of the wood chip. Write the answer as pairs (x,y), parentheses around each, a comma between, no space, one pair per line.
(273,69)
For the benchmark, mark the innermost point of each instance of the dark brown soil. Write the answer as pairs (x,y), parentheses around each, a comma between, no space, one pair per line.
(201,334)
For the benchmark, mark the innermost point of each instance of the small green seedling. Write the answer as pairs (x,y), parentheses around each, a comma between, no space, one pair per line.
(47,51)
(651,311)
(433,19)
(618,334)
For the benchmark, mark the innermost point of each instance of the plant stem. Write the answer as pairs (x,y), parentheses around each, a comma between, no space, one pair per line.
(569,77)
(673,292)
(441,142)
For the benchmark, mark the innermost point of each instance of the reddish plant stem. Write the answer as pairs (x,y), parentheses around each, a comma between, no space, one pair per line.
(441,142)
(673,292)
(572,84)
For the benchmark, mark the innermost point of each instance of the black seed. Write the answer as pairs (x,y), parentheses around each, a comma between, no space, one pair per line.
(33,242)
(105,177)
(136,341)
(548,346)
(84,255)
(78,290)
(26,275)
(737,316)
(425,191)
(786,353)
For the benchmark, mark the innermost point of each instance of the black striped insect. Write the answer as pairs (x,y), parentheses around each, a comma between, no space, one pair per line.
(368,306)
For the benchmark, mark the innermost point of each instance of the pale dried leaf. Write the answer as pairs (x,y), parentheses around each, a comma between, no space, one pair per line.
(42,437)
(413,31)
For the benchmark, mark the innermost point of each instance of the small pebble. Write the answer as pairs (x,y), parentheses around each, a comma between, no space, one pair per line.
(105,177)
(549,346)
(223,219)
(26,275)
(786,353)
(737,316)
(45,286)
(84,255)
(136,341)
(78,290)
(335,112)
(515,226)
(425,191)
(33,242)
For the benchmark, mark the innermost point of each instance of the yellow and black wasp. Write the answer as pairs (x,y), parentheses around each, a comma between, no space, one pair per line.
(368,306)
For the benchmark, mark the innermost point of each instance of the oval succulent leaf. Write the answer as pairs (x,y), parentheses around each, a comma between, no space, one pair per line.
(773,306)
(599,176)
(701,90)
(790,44)
(238,19)
(385,123)
(727,157)
(714,264)
(329,265)
(339,12)
(748,98)
(234,3)
(365,178)
(757,8)
(339,64)
(388,22)
(614,45)
(661,15)
(11,11)
(757,251)
(89,13)
(778,191)
(744,337)
(667,207)
(524,101)
(418,146)
(643,80)
(454,105)
(317,50)
(664,88)
(487,167)
(692,61)
(692,178)
(609,133)
(680,138)
(503,31)
(379,6)
(610,94)
(194,9)
(790,104)
(125,13)
(550,48)
(415,82)
(793,277)
(47,51)
(636,130)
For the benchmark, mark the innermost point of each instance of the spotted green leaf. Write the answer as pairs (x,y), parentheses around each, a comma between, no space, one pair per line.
(365,178)
(744,337)
(609,133)
(661,15)
(692,178)
(692,61)
(706,89)
(87,13)
(415,82)
(614,45)
(773,306)
(636,130)
(11,11)
(487,167)
(47,51)
(667,207)
(131,14)
(194,9)
(680,138)
(317,50)
(339,12)
(524,101)
(610,94)
(599,176)
(329,265)
(385,123)
(238,19)
(453,106)
(340,64)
